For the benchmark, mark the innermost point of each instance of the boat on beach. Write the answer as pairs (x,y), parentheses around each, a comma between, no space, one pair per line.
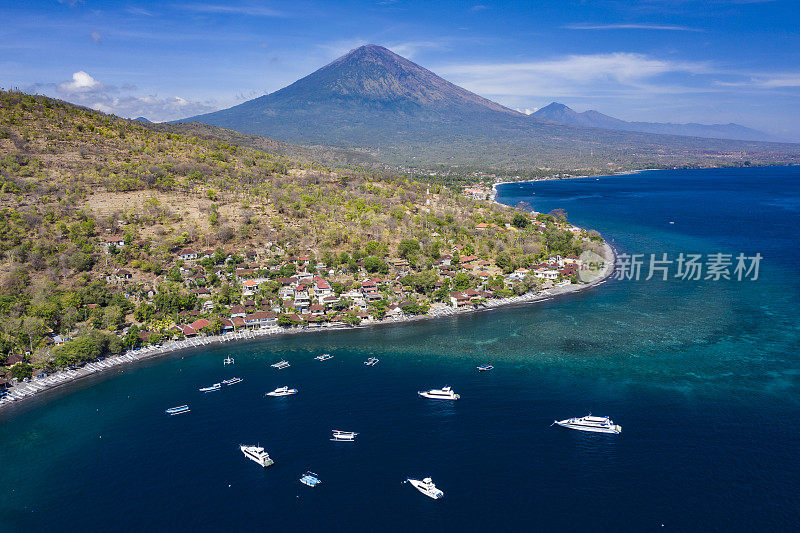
(177,410)
(343,436)
(445,393)
(426,487)
(257,454)
(311,479)
(282,391)
(324,357)
(212,388)
(280,365)
(594,424)
(485,368)
(372,361)
(232,381)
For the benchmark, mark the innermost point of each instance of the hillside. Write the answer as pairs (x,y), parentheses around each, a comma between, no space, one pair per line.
(594,119)
(112,234)
(375,100)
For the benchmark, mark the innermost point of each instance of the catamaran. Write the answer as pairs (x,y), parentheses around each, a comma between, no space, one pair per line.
(343,436)
(282,391)
(228,361)
(324,357)
(257,454)
(595,424)
(280,365)
(426,487)
(215,386)
(445,393)
(232,381)
(485,368)
(177,410)
(372,361)
(311,479)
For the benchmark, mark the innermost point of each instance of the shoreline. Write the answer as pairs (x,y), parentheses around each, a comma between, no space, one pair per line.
(38,387)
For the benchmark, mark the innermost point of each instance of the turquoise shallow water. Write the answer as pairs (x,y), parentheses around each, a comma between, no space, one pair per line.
(703,377)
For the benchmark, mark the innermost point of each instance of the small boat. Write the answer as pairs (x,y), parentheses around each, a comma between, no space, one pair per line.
(426,487)
(324,357)
(485,368)
(280,365)
(228,361)
(232,381)
(311,479)
(445,393)
(343,436)
(372,361)
(257,454)
(212,388)
(282,391)
(177,410)
(595,424)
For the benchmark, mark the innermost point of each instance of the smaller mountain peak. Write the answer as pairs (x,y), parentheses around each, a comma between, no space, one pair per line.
(555,106)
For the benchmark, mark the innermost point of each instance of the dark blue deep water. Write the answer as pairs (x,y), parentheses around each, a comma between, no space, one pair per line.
(702,375)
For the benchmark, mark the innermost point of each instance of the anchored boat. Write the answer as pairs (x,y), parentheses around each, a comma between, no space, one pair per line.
(324,357)
(257,454)
(280,365)
(445,393)
(232,381)
(177,410)
(311,479)
(595,424)
(343,436)
(212,388)
(426,487)
(372,361)
(282,391)
(228,361)
(485,368)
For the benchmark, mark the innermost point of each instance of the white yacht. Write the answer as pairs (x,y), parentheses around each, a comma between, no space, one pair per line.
(228,361)
(232,381)
(344,436)
(426,487)
(595,424)
(215,386)
(257,454)
(324,357)
(445,393)
(282,391)
(280,365)
(372,361)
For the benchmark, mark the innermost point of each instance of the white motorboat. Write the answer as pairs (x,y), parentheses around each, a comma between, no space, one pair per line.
(212,388)
(177,410)
(595,424)
(282,391)
(445,393)
(426,487)
(324,357)
(343,436)
(372,361)
(311,479)
(485,368)
(257,454)
(232,381)
(228,360)
(280,365)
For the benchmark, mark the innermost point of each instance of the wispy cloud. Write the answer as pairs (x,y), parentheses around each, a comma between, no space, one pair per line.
(139,11)
(780,80)
(233,9)
(96,37)
(634,26)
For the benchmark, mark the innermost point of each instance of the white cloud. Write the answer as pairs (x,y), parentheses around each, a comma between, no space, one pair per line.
(249,10)
(96,37)
(662,27)
(81,82)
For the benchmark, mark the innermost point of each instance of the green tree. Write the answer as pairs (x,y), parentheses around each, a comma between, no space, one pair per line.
(408,248)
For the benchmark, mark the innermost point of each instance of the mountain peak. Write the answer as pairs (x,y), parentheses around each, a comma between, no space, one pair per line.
(555,106)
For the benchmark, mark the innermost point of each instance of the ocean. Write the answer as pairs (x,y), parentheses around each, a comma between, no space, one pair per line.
(702,375)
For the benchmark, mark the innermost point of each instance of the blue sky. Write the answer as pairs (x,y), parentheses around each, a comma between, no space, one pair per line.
(657,60)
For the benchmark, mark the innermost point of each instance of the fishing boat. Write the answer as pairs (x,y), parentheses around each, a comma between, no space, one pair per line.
(324,357)
(228,361)
(311,479)
(485,368)
(343,436)
(426,487)
(280,365)
(232,381)
(212,388)
(594,424)
(177,410)
(257,454)
(372,361)
(282,391)
(445,393)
